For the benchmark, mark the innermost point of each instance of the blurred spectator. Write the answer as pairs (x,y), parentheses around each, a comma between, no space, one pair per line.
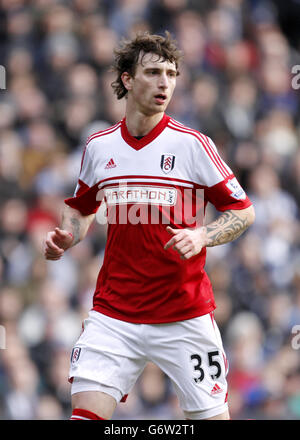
(49,408)
(125,13)
(207,108)
(240,108)
(190,33)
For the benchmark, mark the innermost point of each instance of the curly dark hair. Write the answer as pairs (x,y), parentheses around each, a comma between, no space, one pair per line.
(127,55)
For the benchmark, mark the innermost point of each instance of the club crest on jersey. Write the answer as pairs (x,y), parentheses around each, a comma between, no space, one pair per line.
(237,191)
(167,162)
(75,355)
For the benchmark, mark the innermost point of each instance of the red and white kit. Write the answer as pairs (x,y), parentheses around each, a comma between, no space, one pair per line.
(111,354)
(139,281)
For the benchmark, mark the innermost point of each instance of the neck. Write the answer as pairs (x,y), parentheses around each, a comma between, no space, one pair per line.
(139,124)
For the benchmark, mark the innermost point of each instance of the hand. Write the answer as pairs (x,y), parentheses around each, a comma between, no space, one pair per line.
(56,243)
(187,242)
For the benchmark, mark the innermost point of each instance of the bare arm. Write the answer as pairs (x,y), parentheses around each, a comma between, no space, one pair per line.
(73,229)
(227,227)
(76,223)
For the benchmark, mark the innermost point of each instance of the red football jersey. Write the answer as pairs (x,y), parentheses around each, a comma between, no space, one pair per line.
(167,177)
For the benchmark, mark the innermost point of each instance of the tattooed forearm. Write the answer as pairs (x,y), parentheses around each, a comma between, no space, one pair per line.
(228,226)
(76,229)
(76,223)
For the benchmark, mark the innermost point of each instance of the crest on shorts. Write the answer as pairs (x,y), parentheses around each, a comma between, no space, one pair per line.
(75,355)
(167,162)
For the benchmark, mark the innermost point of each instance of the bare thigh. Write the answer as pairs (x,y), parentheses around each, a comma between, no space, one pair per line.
(224,416)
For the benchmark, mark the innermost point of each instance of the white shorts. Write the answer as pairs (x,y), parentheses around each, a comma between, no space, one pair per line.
(111,354)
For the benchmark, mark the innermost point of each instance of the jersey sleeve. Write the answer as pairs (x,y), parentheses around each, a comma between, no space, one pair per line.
(221,187)
(85,195)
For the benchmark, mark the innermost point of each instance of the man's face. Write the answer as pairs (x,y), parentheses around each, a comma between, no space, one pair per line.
(152,86)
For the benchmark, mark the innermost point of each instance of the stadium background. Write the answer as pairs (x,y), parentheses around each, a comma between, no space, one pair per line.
(235,86)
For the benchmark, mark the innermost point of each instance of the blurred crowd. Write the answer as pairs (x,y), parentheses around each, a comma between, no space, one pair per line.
(235,85)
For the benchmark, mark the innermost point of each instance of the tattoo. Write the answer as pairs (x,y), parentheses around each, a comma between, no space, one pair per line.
(76,223)
(71,223)
(226,228)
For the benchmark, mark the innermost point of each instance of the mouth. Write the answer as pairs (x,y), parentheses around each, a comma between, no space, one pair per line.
(160,98)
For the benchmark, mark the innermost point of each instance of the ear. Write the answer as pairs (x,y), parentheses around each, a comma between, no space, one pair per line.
(127,80)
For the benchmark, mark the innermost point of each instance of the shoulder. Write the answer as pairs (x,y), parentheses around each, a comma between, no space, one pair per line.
(92,141)
(189,132)
(204,147)
(102,134)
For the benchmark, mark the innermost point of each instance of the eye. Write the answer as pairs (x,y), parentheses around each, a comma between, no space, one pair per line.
(151,72)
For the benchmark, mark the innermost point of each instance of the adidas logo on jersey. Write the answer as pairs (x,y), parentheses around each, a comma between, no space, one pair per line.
(216,389)
(110,164)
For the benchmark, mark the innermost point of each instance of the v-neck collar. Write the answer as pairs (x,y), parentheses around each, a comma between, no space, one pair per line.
(137,144)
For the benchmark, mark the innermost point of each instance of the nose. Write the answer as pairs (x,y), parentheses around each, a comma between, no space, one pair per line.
(163,81)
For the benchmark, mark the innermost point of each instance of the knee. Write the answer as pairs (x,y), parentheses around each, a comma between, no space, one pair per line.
(100,404)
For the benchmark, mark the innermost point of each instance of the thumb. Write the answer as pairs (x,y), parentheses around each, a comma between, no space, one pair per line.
(171,230)
(62,234)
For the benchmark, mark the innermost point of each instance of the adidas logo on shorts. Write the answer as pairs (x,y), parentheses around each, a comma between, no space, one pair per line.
(216,389)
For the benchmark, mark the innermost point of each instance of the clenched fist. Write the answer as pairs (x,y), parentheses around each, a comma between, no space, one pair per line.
(56,243)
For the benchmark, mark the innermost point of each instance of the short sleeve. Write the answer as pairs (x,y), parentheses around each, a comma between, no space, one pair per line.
(227,194)
(221,187)
(85,197)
